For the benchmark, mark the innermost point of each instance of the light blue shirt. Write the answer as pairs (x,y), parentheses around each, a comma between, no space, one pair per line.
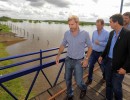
(76,44)
(114,39)
(102,38)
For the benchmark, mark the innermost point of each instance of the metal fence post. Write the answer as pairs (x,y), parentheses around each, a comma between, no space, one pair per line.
(40,57)
(42,70)
(11,94)
(33,82)
(58,74)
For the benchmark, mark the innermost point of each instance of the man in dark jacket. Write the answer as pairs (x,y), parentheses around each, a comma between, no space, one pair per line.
(117,57)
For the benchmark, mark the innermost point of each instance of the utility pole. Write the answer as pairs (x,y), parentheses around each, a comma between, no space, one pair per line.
(121,7)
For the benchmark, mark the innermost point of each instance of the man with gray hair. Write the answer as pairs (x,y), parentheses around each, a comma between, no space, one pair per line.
(126,18)
(99,41)
(76,40)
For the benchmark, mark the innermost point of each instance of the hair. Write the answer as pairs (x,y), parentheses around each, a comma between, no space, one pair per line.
(117,18)
(127,14)
(100,20)
(73,17)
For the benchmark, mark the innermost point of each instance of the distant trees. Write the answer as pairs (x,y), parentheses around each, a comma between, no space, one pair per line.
(65,22)
(4,18)
(30,21)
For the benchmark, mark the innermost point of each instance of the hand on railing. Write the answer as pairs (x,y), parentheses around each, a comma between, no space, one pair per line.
(57,59)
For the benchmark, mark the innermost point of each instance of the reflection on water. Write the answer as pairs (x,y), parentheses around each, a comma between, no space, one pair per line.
(42,36)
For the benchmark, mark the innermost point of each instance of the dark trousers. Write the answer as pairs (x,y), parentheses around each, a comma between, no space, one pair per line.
(113,82)
(93,59)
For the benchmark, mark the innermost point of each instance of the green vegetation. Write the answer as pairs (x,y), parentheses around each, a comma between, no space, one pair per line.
(16,20)
(56,21)
(37,21)
(49,21)
(65,22)
(14,85)
(4,28)
(30,21)
(4,18)
(87,23)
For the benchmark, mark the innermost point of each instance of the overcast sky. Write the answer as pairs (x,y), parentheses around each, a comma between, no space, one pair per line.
(87,10)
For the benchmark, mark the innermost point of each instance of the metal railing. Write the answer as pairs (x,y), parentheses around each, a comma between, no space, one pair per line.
(25,71)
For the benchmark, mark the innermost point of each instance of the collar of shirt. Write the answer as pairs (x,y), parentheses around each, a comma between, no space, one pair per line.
(79,31)
(116,35)
(101,31)
(114,39)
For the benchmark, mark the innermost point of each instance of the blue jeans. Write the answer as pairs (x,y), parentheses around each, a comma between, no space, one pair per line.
(73,65)
(113,82)
(93,59)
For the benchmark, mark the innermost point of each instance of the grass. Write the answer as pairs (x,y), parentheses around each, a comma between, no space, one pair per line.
(15,85)
(4,28)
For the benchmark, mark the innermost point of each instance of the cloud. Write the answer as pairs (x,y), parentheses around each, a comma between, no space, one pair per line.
(95,1)
(33,0)
(61,13)
(127,4)
(59,3)
(36,3)
(4,10)
(4,0)
(94,15)
(60,9)
(9,6)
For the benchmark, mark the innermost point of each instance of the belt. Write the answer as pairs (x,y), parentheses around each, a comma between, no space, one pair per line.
(75,59)
(97,51)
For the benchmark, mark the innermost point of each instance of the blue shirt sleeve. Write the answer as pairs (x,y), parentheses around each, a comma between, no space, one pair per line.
(103,43)
(93,38)
(88,42)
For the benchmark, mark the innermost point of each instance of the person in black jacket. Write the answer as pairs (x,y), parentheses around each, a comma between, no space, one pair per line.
(117,57)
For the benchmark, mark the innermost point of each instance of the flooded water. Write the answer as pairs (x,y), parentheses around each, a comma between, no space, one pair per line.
(41,36)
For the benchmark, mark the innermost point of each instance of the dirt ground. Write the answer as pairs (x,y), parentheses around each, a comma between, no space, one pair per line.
(10,38)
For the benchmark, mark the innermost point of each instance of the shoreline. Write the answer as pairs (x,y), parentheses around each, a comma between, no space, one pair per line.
(7,39)
(10,38)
